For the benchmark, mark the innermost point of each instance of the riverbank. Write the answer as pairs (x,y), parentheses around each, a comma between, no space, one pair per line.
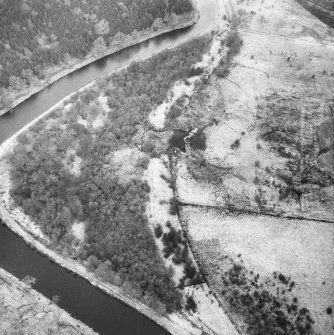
(176,324)
(79,269)
(23,308)
(321,9)
(182,21)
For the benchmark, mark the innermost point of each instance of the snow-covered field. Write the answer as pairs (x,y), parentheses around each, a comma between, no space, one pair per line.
(296,248)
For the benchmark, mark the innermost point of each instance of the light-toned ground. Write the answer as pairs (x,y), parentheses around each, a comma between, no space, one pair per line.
(287,54)
(24,311)
(158,207)
(287,58)
(272,34)
(177,323)
(78,230)
(209,312)
(209,315)
(296,248)
(209,62)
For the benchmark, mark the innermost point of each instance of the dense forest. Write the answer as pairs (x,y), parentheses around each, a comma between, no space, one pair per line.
(107,192)
(36,35)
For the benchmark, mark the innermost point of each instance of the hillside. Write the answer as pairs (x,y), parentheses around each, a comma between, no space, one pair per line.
(258,201)
(203,189)
(41,41)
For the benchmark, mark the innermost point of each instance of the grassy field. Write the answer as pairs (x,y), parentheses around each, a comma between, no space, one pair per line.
(299,250)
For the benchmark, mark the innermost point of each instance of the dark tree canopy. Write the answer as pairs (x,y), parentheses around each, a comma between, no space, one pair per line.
(119,244)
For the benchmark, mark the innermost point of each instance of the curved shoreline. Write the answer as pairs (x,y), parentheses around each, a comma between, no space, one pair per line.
(31,295)
(175,323)
(110,51)
(76,268)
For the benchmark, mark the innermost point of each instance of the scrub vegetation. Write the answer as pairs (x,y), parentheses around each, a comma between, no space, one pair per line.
(266,305)
(119,245)
(38,36)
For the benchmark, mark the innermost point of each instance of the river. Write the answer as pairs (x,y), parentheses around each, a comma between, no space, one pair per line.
(77,296)
(31,108)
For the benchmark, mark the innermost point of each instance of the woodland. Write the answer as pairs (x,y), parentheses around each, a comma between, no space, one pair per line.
(119,245)
(38,35)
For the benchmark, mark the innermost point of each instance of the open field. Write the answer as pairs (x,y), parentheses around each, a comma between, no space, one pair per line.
(268,156)
(273,144)
(217,167)
(94,112)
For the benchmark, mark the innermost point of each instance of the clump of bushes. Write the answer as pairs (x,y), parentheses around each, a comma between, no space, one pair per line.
(263,311)
(195,71)
(158,231)
(235,145)
(234,43)
(175,244)
(174,203)
(191,304)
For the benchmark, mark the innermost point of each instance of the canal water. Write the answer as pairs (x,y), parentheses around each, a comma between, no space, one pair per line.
(31,108)
(106,315)
(83,301)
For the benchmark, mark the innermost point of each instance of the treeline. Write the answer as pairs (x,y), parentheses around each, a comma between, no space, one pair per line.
(119,245)
(175,244)
(38,34)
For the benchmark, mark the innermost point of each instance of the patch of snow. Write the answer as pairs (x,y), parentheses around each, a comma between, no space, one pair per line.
(211,59)
(157,116)
(209,62)
(103,101)
(184,325)
(103,107)
(209,314)
(98,122)
(83,122)
(191,191)
(157,209)
(78,230)
(296,248)
(125,161)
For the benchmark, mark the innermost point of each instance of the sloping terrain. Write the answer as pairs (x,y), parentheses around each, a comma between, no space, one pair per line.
(258,201)
(92,181)
(217,168)
(25,311)
(261,264)
(322,9)
(272,150)
(41,41)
